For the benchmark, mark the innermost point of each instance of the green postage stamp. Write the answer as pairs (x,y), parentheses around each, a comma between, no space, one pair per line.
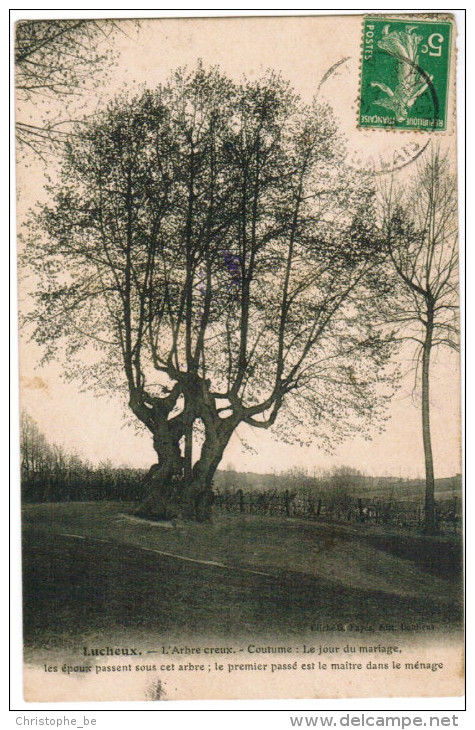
(405,74)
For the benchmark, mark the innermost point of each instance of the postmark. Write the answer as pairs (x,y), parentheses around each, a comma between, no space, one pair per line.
(405,74)
(378,160)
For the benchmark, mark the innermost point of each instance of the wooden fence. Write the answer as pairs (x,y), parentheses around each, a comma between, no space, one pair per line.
(343,508)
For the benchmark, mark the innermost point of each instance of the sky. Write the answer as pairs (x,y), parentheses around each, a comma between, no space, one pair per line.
(303,49)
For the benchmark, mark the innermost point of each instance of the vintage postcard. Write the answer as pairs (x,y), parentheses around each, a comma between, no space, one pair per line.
(239,358)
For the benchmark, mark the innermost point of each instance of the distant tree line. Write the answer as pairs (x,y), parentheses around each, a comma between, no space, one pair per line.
(49,473)
(339,480)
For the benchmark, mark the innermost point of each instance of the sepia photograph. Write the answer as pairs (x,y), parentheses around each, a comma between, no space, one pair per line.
(240,392)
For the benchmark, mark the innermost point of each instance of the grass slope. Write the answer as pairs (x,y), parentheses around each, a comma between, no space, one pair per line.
(88,567)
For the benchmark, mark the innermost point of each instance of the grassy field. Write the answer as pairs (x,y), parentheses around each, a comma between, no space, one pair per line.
(93,568)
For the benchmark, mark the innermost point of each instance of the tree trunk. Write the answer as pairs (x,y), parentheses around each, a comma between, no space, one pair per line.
(188,453)
(198,496)
(163,482)
(173,487)
(430,517)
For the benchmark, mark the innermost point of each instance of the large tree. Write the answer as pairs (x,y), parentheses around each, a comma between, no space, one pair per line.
(420,229)
(207,242)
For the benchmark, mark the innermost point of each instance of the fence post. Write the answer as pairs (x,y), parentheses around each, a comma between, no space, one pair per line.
(360,509)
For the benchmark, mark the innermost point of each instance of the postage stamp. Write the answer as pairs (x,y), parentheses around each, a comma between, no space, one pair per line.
(405,74)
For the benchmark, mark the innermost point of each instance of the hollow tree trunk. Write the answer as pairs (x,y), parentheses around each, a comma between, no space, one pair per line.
(430,519)
(188,453)
(163,482)
(198,497)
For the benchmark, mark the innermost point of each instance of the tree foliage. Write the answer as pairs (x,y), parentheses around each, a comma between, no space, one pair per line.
(208,242)
(57,62)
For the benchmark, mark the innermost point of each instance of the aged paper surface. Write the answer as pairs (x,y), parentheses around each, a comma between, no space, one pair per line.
(238,263)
